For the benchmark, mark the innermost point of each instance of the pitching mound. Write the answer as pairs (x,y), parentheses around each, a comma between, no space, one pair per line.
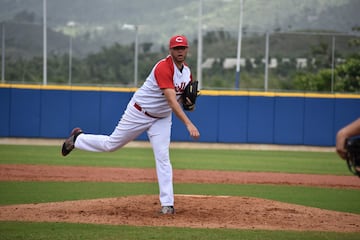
(191,211)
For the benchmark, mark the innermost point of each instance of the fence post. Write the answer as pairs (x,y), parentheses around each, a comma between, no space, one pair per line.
(3,52)
(266,80)
(332,64)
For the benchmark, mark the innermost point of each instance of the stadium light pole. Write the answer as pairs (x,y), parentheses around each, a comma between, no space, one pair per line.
(44,45)
(70,24)
(266,75)
(237,76)
(2,52)
(200,43)
(332,64)
(136,60)
(70,60)
(135,28)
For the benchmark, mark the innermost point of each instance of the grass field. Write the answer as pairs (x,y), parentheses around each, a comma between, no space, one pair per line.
(206,159)
(345,200)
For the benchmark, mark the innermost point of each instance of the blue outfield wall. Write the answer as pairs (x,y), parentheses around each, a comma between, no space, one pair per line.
(34,111)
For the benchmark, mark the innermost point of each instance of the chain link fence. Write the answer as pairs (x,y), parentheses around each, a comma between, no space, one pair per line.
(123,55)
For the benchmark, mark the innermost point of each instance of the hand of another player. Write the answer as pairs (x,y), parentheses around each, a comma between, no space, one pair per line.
(349,130)
(340,145)
(193,131)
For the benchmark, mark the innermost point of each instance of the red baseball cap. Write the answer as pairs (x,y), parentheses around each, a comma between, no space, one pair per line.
(178,41)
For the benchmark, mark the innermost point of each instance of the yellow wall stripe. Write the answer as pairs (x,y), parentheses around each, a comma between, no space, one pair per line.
(74,88)
(202,92)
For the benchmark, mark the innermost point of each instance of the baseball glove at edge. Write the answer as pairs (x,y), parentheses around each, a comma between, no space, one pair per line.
(352,146)
(189,96)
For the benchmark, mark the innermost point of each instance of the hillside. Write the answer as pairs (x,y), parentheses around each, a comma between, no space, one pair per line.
(101,23)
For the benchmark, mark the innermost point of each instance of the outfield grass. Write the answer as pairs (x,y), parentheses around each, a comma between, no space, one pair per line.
(207,159)
(346,200)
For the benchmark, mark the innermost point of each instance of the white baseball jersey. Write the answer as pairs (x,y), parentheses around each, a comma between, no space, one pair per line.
(165,74)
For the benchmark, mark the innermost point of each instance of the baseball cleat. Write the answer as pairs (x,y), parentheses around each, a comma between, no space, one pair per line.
(167,210)
(69,143)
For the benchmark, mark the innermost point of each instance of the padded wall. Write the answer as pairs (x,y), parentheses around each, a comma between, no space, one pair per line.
(292,120)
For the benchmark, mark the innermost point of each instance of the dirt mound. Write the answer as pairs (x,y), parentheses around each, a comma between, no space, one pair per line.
(192,211)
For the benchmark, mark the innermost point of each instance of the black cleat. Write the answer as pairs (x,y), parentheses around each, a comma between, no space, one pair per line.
(68,145)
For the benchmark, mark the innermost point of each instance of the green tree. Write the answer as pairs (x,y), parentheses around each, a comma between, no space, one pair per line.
(111,65)
(348,76)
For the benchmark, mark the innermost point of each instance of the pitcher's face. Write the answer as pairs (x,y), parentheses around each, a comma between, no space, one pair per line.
(179,54)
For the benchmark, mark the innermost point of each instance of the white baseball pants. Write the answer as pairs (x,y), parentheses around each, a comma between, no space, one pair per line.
(130,126)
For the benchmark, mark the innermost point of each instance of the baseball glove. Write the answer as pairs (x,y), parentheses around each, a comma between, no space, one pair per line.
(189,96)
(352,146)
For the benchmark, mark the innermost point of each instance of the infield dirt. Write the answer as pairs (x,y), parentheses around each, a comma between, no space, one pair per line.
(191,210)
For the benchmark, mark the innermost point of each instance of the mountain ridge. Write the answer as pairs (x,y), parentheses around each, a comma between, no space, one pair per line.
(102,23)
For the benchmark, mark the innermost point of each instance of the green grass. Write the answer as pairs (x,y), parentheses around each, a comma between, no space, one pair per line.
(61,231)
(345,200)
(207,159)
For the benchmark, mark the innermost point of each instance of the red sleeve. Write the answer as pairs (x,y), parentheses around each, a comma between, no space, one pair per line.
(164,73)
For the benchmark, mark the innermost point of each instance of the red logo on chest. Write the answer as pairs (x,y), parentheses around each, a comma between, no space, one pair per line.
(179,88)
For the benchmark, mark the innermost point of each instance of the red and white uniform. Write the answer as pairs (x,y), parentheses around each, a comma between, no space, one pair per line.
(154,117)
(164,75)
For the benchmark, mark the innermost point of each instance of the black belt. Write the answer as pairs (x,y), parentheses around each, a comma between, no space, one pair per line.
(138,107)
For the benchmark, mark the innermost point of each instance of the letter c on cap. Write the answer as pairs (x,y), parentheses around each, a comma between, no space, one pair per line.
(179,39)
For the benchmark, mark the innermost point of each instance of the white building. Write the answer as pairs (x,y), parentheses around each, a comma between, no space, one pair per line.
(231,63)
